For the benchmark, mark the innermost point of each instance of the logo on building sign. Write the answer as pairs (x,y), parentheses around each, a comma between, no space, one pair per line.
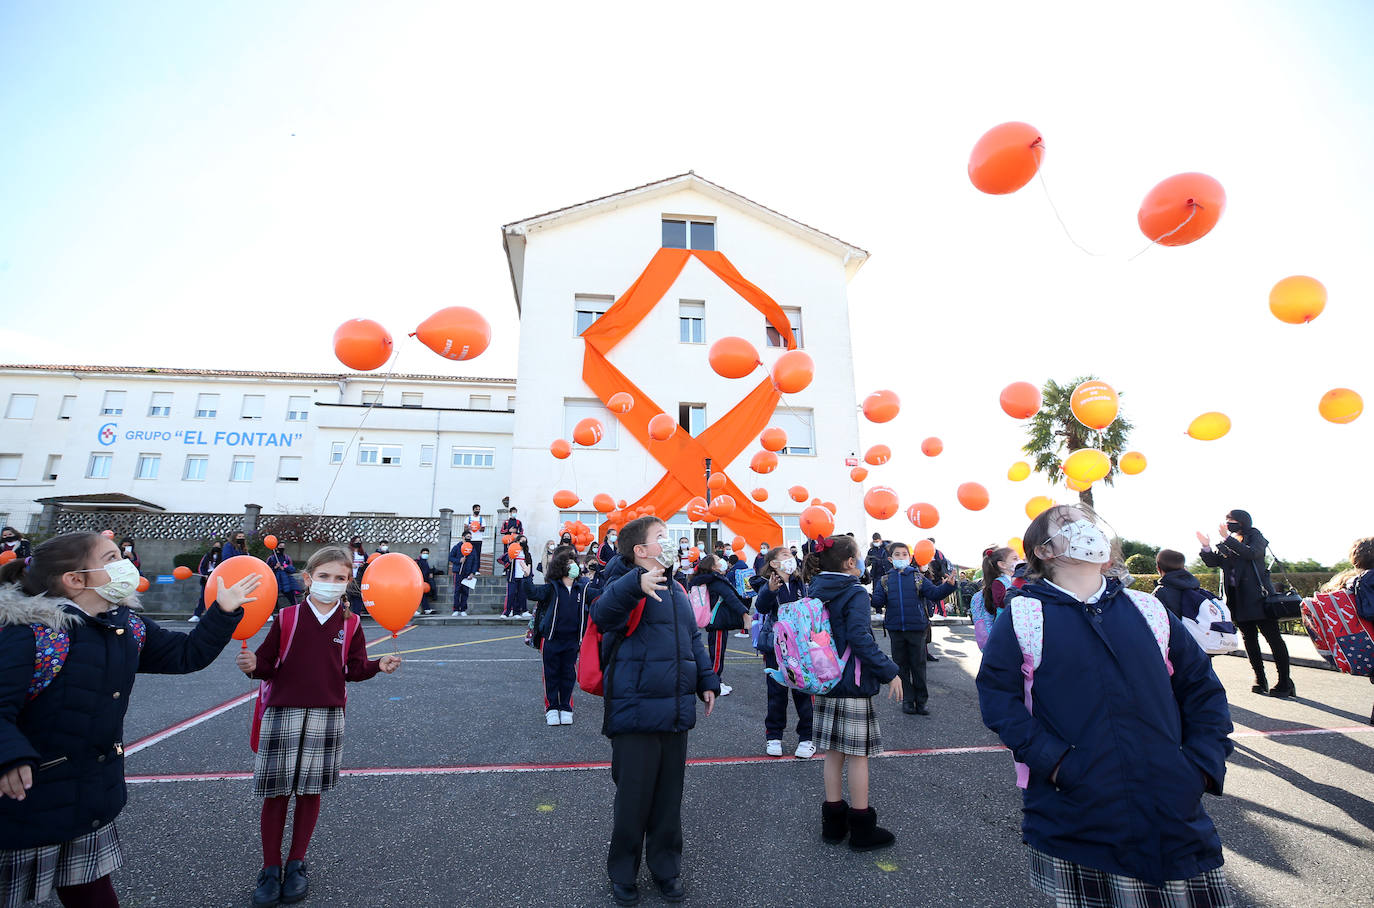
(107,434)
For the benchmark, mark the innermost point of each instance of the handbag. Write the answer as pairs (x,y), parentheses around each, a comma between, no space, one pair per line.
(1283,605)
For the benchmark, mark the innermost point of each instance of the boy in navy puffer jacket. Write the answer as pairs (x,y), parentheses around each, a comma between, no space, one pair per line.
(901,596)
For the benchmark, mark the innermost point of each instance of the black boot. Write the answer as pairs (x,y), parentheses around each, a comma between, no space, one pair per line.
(864,832)
(834,821)
(269,887)
(294,885)
(1261,686)
(1284,689)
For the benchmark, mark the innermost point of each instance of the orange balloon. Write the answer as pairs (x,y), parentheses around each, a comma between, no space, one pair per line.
(142,585)
(455,333)
(716,482)
(798,493)
(1181,209)
(588,431)
(1005,158)
(773,439)
(7,556)
(694,553)
(1210,426)
(1038,505)
(737,544)
(560,448)
(764,462)
(622,503)
(858,474)
(466,548)
(697,512)
(621,402)
(564,499)
(815,501)
(932,447)
(373,557)
(816,522)
(923,553)
(882,406)
(831,507)
(1297,300)
(1132,462)
(793,371)
(972,496)
(722,506)
(255,612)
(878,455)
(108,534)
(1021,400)
(508,538)
(1076,485)
(513,550)
(182,572)
(880,502)
(662,427)
(1340,405)
(733,357)
(604,503)
(362,344)
(1094,404)
(391,588)
(270,541)
(923,515)
(426,587)
(759,494)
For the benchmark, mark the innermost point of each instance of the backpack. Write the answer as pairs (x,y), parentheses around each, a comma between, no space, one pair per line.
(700,597)
(51,647)
(286,626)
(805,650)
(1209,621)
(1028,619)
(592,658)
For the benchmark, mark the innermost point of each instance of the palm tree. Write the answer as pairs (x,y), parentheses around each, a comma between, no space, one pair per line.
(1055,430)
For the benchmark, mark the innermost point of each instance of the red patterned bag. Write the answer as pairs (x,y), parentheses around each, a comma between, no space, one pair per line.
(1344,639)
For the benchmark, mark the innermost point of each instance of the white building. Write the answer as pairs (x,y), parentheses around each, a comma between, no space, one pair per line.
(191,440)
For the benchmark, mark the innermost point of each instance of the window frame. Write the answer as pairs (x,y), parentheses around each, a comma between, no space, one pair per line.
(147,457)
(294,415)
(107,407)
(104,457)
(261,407)
(427,454)
(689,221)
(477,452)
(376,400)
(154,407)
(769,331)
(690,408)
(281,464)
(18,459)
(594,304)
(50,467)
(808,420)
(418,399)
(203,460)
(338,450)
(693,326)
(210,412)
(247,459)
(33,405)
(64,409)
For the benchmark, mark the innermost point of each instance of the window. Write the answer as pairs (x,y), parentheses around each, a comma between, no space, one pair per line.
(691,318)
(510,403)
(474,457)
(703,234)
(368,455)
(242,470)
(590,307)
(207,406)
(426,455)
(391,455)
(676,232)
(9,465)
(379,455)
(372,398)
(21,406)
(479,401)
(68,404)
(412,399)
(161,404)
(794,319)
(797,424)
(297,409)
(50,469)
(196,467)
(114,404)
(692,417)
(791,530)
(574,411)
(99,466)
(148,465)
(289,469)
(336,452)
(253,406)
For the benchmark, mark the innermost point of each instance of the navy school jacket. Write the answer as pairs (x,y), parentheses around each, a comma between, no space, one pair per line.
(1134,741)
(732,607)
(766,604)
(902,597)
(850,611)
(561,612)
(461,565)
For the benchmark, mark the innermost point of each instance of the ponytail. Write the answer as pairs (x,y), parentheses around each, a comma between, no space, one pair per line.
(41,574)
(829,554)
(991,556)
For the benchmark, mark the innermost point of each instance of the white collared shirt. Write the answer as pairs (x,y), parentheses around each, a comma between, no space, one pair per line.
(322,617)
(1101,588)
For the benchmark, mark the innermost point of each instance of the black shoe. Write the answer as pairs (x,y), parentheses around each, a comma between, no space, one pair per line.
(1260,687)
(294,885)
(921,711)
(909,708)
(864,832)
(1284,690)
(625,895)
(834,821)
(269,887)
(671,889)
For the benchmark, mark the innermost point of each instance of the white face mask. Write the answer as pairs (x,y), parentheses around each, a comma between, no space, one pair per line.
(323,591)
(611,538)
(1086,542)
(424,556)
(665,554)
(900,564)
(123,581)
(383,548)
(682,546)
(789,565)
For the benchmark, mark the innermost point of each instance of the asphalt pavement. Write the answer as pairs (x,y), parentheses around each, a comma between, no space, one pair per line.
(458,794)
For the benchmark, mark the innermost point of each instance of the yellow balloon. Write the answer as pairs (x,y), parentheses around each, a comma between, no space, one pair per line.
(1017,545)
(1087,465)
(1297,300)
(1019,471)
(1094,404)
(1210,426)
(1132,462)
(1038,505)
(1340,405)
(1076,486)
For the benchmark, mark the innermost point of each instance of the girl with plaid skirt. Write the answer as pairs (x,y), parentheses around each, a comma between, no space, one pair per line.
(300,742)
(846,724)
(70,646)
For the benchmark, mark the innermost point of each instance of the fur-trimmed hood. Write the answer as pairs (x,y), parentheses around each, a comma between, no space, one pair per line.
(19,608)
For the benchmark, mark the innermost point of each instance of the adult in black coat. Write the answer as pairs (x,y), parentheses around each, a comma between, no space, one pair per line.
(11,540)
(1245,581)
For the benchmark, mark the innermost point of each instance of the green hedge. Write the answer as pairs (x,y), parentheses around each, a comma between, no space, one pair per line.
(1306,584)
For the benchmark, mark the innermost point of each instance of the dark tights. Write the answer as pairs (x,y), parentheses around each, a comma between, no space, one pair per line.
(273,827)
(99,894)
(1250,631)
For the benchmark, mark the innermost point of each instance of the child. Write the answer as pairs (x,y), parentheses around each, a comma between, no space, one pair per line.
(1119,741)
(999,570)
(208,562)
(517,569)
(903,593)
(781,585)
(559,621)
(464,561)
(1359,582)
(427,574)
(284,570)
(300,744)
(652,676)
(846,725)
(727,610)
(358,559)
(68,639)
(1176,583)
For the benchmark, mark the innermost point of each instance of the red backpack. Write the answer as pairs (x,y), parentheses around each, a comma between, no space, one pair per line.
(286,624)
(591,671)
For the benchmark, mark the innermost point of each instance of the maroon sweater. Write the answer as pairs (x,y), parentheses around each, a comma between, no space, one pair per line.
(312,673)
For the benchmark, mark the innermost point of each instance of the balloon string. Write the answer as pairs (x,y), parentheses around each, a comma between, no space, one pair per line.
(367,411)
(1193,206)
(1040,172)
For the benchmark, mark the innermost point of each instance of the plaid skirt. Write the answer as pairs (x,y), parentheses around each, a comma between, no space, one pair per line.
(848,725)
(31,874)
(1075,886)
(300,750)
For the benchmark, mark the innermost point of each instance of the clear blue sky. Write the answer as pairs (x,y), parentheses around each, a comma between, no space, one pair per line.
(222,184)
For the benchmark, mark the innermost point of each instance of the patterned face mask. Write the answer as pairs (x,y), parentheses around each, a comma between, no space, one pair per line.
(1085,542)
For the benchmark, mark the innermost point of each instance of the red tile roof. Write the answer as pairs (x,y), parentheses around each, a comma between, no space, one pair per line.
(236,373)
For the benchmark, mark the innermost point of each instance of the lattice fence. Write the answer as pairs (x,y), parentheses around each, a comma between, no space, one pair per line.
(309,528)
(333,528)
(143,525)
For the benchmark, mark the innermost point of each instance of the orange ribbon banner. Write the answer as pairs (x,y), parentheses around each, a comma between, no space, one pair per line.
(683,456)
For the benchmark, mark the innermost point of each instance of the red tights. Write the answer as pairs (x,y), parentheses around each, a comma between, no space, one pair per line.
(99,894)
(273,826)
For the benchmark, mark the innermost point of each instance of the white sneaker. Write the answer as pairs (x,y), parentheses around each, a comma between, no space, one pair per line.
(774,749)
(462,614)
(805,750)
(526,615)
(193,620)
(456,613)
(551,717)
(742,634)
(564,718)
(725,690)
